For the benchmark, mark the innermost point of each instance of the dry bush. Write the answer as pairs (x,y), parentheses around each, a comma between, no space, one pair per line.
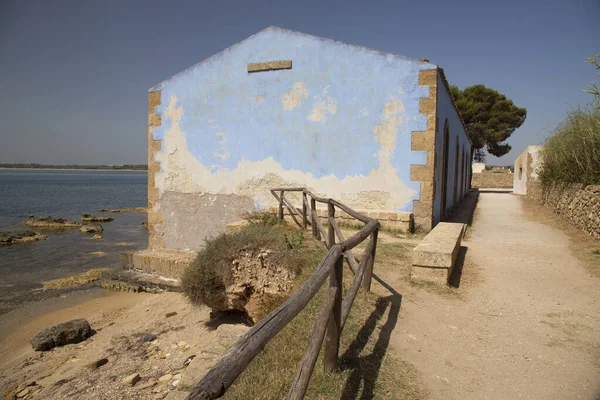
(208,276)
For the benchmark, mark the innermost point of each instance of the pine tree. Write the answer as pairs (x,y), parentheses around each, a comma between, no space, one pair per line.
(490,119)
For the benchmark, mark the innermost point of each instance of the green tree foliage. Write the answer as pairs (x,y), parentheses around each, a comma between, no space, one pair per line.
(490,119)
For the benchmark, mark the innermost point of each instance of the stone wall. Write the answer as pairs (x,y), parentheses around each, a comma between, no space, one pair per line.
(496,178)
(579,204)
(401,221)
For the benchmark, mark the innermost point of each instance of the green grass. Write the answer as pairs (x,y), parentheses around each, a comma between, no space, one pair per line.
(394,232)
(365,369)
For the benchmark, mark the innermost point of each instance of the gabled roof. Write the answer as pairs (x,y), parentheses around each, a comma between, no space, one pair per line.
(288,31)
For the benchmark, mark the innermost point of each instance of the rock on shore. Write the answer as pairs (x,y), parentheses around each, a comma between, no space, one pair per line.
(49,222)
(20,237)
(74,331)
(121,210)
(91,228)
(93,218)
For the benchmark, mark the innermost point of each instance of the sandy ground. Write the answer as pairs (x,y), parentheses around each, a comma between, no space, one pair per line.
(119,320)
(525,321)
(524,324)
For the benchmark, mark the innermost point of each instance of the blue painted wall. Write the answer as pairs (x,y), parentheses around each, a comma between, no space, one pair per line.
(230,116)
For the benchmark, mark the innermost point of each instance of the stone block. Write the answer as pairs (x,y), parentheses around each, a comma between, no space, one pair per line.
(168,263)
(438,276)
(384,216)
(438,251)
(270,66)
(177,395)
(405,216)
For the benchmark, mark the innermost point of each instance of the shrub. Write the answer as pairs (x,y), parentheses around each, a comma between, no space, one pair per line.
(208,276)
(263,218)
(572,153)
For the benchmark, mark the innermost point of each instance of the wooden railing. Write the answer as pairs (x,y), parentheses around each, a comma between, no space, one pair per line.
(334,311)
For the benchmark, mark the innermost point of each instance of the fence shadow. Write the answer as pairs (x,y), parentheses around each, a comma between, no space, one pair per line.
(366,368)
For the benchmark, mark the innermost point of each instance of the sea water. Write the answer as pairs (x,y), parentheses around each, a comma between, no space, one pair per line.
(65,194)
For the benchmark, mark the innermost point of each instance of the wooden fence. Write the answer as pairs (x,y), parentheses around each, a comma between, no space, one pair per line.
(334,311)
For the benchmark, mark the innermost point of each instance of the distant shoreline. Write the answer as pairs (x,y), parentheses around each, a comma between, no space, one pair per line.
(74,169)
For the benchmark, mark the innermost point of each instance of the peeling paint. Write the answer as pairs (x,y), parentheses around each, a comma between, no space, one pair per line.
(223,140)
(321,107)
(294,97)
(181,172)
(385,132)
(259,99)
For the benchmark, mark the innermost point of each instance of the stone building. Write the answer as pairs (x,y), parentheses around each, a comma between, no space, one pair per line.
(478,167)
(376,131)
(526,166)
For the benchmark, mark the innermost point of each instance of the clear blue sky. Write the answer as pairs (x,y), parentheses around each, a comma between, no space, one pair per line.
(74,75)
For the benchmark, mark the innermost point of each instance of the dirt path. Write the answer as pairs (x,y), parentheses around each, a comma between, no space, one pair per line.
(529,328)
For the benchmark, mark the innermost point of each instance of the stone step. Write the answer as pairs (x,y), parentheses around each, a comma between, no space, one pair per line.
(138,281)
(167,263)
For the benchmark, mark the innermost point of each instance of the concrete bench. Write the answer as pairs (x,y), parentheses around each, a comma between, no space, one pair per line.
(433,259)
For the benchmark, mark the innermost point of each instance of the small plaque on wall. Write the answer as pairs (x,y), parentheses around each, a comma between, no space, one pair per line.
(270,66)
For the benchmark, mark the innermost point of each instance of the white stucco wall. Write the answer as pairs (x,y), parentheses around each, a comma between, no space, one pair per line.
(458,178)
(526,168)
(478,167)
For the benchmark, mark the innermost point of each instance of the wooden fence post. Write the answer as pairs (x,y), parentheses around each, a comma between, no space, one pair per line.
(366,280)
(281,205)
(332,339)
(304,218)
(315,230)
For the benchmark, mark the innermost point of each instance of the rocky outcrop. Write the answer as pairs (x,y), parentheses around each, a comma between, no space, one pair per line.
(20,237)
(93,218)
(91,228)
(51,223)
(579,204)
(120,210)
(254,275)
(71,332)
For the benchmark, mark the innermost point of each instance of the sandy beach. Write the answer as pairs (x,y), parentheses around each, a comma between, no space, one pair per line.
(122,322)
